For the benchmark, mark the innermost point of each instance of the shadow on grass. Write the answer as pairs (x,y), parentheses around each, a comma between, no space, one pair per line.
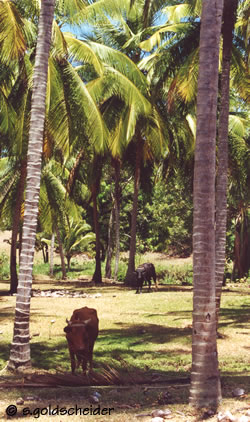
(238,317)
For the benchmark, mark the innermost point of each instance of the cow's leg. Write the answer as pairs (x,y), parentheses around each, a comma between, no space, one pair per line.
(154,277)
(73,361)
(90,358)
(149,284)
(84,365)
(139,287)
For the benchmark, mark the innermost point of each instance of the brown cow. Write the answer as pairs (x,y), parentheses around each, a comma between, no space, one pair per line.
(81,333)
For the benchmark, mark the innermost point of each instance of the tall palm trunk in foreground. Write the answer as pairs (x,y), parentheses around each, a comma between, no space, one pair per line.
(20,347)
(205,387)
(229,16)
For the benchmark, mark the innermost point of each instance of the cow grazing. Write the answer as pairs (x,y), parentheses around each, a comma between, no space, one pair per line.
(81,333)
(144,273)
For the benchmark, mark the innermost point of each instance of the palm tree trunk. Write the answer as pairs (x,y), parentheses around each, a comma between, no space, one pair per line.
(59,240)
(20,347)
(15,228)
(229,16)
(205,390)
(132,250)
(108,271)
(51,260)
(117,166)
(97,277)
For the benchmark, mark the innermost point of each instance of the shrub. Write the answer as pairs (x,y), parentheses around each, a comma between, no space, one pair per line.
(4,266)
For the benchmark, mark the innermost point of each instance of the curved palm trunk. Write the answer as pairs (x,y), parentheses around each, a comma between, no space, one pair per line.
(15,228)
(229,15)
(74,172)
(60,245)
(132,250)
(20,347)
(205,387)
(117,166)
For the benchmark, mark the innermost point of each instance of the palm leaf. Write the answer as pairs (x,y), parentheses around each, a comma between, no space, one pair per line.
(82,51)
(155,39)
(116,83)
(12,41)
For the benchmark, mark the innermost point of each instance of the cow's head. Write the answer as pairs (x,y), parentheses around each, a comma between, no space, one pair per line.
(77,336)
(139,273)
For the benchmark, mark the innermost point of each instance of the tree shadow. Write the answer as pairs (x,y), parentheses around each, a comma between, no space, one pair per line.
(239,317)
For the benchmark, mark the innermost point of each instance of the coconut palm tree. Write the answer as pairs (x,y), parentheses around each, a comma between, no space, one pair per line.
(116,25)
(121,91)
(183,23)
(20,347)
(16,36)
(205,387)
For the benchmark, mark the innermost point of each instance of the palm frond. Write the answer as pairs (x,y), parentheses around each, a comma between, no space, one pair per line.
(237,125)
(159,31)
(73,10)
(81,51)
(59,44)
(12,41)
(84,110)
(116,83)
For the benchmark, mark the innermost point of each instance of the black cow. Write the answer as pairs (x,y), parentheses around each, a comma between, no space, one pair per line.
(144,273)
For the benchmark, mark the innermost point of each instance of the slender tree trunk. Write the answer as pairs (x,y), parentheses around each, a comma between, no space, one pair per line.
(97,277)
(108,271)
(20,242)
(117,166)
(132,250)
(229,16)
(68,257)
(46,253)
(59,240)
(20,347)
(205,387)
(15,228)
(51,260)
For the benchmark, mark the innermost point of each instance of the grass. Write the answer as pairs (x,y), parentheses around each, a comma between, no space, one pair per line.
(142,337)
(146,336)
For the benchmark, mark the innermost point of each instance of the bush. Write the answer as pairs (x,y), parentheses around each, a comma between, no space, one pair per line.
(4,266)
(180,275)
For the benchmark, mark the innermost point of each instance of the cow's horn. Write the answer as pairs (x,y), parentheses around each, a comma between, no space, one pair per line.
(67,320)
(87,321)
